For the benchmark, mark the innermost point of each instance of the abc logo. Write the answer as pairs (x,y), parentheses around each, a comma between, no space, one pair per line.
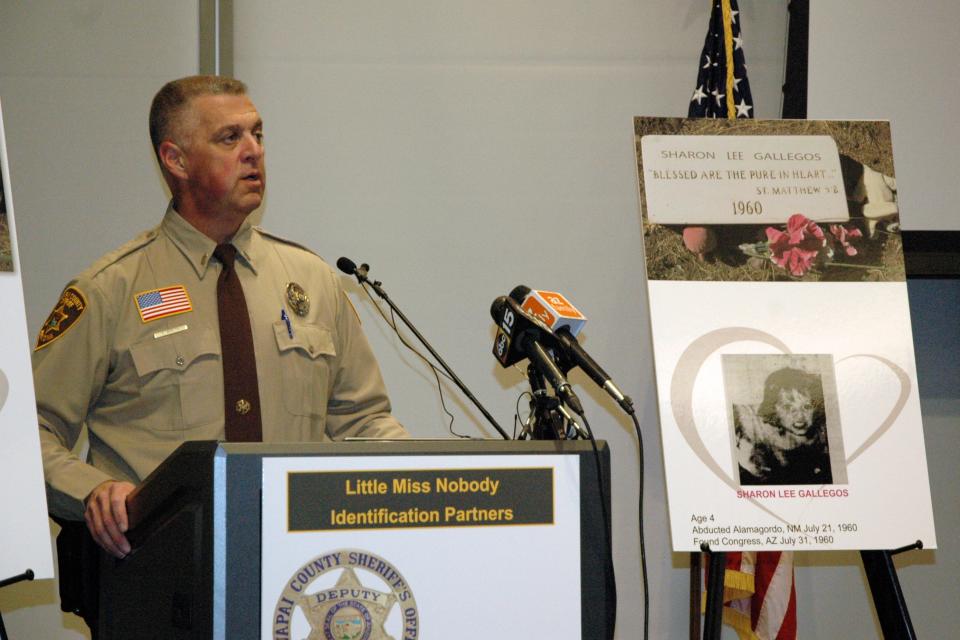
(501,346)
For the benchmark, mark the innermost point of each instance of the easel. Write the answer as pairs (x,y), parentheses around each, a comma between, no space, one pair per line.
(887,596)
(885,588)
(26,575)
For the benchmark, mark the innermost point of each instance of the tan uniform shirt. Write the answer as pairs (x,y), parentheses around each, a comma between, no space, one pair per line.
(144,387)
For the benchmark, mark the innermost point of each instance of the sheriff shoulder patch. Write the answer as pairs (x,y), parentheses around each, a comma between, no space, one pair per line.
(160,303)
(71,306)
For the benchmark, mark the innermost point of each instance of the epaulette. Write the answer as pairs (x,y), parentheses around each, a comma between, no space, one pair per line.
(121,252)
(286,241)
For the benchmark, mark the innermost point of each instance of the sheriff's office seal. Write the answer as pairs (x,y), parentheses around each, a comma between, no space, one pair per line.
(69,308)
(297,299)
(349,609)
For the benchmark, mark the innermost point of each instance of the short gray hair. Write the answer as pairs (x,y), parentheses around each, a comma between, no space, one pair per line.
(174,96)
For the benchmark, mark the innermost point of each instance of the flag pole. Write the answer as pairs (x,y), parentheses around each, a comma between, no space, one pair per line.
(713,619)
(696,594)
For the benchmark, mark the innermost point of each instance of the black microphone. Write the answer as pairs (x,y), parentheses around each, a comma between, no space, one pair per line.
(346,265)
(350,268)
(577,356)
(519,336)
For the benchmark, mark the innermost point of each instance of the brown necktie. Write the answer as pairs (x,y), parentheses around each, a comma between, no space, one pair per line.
(241,395)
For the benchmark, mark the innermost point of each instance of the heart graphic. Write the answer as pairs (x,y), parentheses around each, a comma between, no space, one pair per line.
(695,356)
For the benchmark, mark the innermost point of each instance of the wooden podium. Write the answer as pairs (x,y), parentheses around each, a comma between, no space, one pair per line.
(196,528)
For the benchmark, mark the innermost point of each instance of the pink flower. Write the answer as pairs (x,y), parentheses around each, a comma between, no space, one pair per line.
(841,235)
(797,248)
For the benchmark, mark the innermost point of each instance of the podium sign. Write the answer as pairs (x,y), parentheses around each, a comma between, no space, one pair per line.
(402,539)
(420,546)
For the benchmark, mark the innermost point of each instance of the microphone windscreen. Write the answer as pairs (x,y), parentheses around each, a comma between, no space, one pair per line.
(519,293)
(346,265)
(496,308)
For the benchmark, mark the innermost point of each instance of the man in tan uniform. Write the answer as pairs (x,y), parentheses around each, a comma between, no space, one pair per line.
(133,350)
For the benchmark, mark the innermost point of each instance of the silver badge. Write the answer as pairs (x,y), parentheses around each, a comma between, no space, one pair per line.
(298,300)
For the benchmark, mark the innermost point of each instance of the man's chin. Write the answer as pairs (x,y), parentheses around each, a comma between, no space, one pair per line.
(250,203)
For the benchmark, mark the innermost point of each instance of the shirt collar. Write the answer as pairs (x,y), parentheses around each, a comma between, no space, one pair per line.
(197,248)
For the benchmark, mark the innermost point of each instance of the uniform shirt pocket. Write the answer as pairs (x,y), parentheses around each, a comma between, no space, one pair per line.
(181,378)
(305,354)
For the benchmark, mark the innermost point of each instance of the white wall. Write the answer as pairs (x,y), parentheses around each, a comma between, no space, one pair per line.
(895,61)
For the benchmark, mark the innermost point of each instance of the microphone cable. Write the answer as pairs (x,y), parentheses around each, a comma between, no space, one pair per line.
(392,323)
(349,267)
(643,544)
(516,415)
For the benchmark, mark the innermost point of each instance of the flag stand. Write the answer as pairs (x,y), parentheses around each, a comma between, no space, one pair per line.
(888,600)
(26,575)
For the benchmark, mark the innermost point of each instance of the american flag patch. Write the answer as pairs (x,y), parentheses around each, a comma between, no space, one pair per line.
(160,303)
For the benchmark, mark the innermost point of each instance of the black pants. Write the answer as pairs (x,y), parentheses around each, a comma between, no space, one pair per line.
(78,560)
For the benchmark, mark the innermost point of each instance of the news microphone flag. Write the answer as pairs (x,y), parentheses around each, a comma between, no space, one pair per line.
(564,321)
(554,310)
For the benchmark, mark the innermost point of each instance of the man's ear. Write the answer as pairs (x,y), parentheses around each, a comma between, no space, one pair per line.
(173,159)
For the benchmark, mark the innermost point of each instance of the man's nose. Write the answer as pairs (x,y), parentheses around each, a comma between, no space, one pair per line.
(252,147)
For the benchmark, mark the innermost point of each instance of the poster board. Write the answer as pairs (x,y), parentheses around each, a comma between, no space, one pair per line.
(25,535)
(786,379)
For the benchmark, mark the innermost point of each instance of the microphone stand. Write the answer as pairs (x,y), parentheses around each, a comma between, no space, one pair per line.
(549,420)
(361,275)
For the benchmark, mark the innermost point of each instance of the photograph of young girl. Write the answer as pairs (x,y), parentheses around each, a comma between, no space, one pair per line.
(784,423)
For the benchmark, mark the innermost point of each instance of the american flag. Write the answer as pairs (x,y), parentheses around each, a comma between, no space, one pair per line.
(760,600)
(160,303)
(759,596)
(723,90)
